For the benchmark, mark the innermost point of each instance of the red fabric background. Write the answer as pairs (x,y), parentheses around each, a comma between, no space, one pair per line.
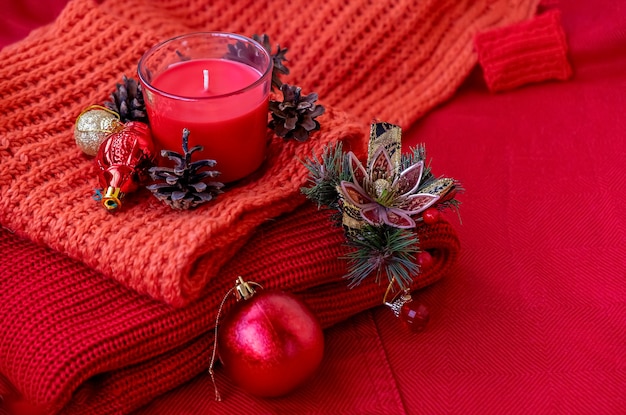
(533,318)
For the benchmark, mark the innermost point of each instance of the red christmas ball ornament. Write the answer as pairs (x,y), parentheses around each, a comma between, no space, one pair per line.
(270,342)
(123,160)
(431,215)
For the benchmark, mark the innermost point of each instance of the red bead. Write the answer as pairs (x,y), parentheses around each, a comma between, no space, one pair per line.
(425,260)
(270,343)
(414,315)
(431,215)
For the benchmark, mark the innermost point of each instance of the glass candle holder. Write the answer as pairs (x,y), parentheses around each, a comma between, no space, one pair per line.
(217,86)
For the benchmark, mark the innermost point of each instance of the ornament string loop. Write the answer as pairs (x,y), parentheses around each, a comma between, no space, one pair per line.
(244,291)
(116,126)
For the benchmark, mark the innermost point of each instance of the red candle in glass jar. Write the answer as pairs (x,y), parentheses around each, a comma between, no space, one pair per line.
(196,82)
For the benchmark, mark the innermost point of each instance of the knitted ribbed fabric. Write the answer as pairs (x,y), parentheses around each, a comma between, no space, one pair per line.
(387,60)
(74,340)
(64,323)
(530,51)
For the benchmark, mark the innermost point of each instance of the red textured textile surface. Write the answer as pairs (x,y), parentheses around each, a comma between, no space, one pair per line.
(20,17)
(533,317)
(523,53)
(45,179)
(75,340)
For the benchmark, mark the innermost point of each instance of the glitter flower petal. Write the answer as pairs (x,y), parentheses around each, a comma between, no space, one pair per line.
(420,202)
(374,214)
(399,219)
(409,179)
(381,166)
(357,171)
(355,194)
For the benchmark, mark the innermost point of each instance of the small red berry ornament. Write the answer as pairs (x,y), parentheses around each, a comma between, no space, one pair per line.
(269,343)
(431,215)
(413,314)
(425,260)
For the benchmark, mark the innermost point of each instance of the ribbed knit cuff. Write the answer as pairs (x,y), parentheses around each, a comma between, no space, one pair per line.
(527,52)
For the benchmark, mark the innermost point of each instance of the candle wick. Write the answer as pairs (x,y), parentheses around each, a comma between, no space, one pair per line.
(205,72)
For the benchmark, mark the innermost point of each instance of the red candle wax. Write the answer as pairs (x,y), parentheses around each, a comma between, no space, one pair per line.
(222,103)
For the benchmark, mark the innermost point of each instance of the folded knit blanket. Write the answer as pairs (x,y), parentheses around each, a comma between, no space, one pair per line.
(75,340)
(359,57)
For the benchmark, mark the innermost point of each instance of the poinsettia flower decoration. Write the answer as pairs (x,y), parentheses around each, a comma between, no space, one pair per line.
(382,193)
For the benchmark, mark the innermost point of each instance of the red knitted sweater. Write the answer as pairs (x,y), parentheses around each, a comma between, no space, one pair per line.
(361,62)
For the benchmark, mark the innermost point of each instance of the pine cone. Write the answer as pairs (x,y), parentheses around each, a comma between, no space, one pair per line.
(295,116)
(277,58)
(127,101)
(183,186)
(242,52)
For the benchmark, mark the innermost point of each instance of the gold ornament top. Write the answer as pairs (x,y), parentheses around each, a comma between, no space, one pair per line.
(93,125)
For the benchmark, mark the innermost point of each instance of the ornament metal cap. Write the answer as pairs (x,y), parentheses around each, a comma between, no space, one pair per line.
(244,290)
(112,198)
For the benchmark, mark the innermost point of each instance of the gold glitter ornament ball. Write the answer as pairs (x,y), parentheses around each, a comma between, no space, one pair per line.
(93,126)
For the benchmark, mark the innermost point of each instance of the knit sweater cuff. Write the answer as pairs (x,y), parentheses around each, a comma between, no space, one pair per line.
(527,52)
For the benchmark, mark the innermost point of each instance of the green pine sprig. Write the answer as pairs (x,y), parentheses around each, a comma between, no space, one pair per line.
(325,175)
(383,251)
